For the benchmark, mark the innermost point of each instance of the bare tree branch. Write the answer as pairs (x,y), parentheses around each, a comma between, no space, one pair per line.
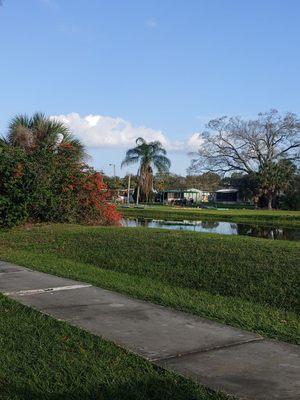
(233,144)
(260,147)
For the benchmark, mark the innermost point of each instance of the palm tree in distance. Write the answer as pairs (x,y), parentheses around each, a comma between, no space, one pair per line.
(39,131)
(149,155)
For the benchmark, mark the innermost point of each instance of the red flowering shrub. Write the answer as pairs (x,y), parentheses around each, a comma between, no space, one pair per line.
(93,198)
(52,186)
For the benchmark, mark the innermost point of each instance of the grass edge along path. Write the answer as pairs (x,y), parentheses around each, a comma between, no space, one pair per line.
(260,271)
(277,218)
(265,320)
(41,357)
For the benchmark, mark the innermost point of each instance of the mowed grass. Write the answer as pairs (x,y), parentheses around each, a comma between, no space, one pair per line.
(41,358)
(245,282)
(277,217)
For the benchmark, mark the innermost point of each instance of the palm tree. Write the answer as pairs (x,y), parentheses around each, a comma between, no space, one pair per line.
(40,131)
(149,155)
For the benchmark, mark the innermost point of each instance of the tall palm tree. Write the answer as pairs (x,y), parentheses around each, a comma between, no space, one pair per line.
(40,131)
(149,155)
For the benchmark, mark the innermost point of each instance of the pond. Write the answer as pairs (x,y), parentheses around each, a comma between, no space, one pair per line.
(224,228)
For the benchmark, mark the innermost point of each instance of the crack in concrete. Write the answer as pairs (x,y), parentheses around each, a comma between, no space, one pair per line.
(193,352)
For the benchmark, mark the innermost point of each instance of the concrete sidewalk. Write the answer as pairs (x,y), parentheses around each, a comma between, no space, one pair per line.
(220,357)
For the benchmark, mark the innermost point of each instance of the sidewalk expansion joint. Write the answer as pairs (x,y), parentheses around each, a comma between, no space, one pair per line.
(46,290)
(205,350)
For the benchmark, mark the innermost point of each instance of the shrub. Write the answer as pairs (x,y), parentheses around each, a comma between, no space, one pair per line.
(46,185)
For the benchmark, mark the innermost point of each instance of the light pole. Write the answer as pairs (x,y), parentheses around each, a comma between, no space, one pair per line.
(114,166)
(115,178)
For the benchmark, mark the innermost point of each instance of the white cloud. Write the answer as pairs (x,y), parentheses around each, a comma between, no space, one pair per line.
(98,131)
(194,142)
(104,131)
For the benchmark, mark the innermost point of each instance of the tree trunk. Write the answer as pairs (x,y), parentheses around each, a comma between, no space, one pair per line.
(138,194)
(270,200)
(139,188)
(128,190)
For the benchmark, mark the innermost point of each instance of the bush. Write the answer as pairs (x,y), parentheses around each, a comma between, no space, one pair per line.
(51,186)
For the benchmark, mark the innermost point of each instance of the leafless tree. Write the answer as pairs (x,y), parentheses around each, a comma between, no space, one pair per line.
(249,146)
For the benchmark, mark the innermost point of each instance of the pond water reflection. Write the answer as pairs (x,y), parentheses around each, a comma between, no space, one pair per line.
(220,227)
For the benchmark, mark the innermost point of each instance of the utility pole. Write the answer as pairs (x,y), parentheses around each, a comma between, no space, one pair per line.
(115,178)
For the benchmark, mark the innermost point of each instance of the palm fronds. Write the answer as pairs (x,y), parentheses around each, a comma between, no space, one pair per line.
(40,131)
(149,155)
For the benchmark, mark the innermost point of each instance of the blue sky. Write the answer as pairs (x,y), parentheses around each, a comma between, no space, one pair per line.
(118,69)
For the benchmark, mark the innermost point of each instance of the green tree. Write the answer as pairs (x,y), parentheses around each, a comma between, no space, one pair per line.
(149,155)
(40,132)
(291,198)
(247,185)
(166,180)
(275,178)
(208,181)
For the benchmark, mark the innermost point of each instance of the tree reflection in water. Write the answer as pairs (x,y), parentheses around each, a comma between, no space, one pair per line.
(268,232)
(209,224)
(220,227)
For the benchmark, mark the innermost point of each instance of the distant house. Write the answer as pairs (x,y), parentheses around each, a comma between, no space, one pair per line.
(170,196)
(173,196)
(121,196)
(199,196)
(228,196)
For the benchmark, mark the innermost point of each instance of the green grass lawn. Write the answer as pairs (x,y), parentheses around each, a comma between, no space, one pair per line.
(278,217)
(43,359)
(246,282)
